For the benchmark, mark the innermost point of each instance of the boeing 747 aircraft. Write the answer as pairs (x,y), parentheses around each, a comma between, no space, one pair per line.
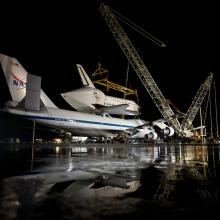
(30,102)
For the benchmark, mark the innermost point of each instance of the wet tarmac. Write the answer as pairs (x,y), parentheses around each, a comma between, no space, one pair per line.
(109,181)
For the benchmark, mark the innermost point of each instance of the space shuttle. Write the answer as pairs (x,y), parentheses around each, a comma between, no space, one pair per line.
(30,102)
(95,101)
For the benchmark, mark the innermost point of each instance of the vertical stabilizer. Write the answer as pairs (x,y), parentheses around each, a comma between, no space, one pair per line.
(86,81)
(16,77)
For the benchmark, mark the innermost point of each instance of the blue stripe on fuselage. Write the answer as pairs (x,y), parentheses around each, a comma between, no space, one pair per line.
(33,117)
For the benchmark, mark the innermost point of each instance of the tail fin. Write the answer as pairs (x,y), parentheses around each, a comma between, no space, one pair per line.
(16,77)
(86,81)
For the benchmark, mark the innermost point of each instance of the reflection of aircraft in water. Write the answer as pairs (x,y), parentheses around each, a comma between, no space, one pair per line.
(83,180)
(30,102)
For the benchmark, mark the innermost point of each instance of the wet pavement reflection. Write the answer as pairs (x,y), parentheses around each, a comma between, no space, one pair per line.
(100,181)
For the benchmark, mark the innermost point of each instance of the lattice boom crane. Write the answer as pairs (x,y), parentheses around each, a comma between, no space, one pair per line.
(139,67)
(196,103)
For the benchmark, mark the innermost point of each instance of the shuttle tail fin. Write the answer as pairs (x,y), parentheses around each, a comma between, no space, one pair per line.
(86,81)
(16,77)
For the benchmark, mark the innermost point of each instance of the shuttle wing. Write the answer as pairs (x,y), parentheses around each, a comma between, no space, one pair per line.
(116,110)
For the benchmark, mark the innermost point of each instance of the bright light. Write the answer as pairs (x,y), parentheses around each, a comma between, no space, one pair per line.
(57,140)
(57,149)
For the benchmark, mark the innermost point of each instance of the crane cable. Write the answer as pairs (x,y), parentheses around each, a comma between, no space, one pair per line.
(138,29)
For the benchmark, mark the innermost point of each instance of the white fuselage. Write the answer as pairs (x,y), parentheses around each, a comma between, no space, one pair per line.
(81,124)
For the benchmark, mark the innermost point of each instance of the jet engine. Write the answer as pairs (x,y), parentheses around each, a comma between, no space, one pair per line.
(144,131)
(163,128)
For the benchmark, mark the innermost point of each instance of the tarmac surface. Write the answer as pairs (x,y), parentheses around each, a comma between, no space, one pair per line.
(106,181)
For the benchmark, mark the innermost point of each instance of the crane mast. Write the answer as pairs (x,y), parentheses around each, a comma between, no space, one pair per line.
(139,67)
(196,103)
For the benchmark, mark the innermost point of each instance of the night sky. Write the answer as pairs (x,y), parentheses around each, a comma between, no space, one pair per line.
(50,39)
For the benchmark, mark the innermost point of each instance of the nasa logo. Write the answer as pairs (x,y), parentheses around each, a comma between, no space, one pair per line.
(18,83)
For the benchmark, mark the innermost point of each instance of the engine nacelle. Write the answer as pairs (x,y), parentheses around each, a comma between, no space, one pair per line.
(151,136)
(144,132)
(169,131)
(165,129)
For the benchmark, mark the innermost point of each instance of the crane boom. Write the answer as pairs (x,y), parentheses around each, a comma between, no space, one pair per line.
(139,67)
(196,103)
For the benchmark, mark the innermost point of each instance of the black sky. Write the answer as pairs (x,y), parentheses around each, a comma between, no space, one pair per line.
(49,39)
